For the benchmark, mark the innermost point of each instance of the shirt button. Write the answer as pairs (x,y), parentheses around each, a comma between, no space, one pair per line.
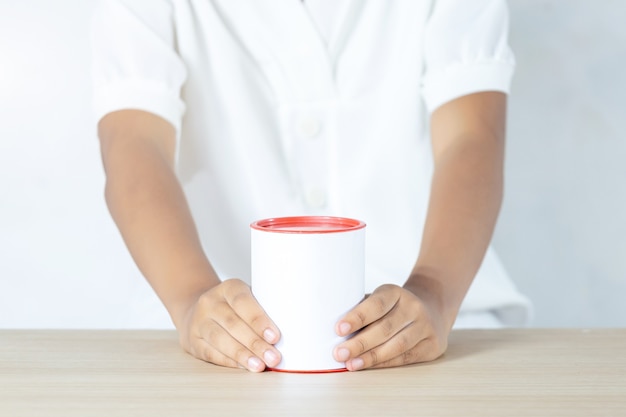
(315,197)
(309,127)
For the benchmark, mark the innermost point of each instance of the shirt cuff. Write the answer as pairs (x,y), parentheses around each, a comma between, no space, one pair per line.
(146,96)
(463,79)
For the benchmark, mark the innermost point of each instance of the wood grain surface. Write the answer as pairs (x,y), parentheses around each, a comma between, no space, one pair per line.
(530,372)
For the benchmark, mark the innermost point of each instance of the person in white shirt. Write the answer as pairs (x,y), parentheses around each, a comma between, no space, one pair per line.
(216,113)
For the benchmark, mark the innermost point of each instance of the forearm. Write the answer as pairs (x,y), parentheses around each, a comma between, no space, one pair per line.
(150,210)
(466,194)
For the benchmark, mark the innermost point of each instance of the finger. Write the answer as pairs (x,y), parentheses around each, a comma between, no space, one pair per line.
(373,335)
(369,310)
(403,341)
(239,296)
(426,350)
(240,332)
(201,349)
(226,345)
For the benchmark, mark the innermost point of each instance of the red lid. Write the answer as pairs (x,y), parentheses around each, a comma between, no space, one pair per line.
(308,224)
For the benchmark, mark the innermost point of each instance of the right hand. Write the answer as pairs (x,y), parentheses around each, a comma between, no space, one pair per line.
(227,326)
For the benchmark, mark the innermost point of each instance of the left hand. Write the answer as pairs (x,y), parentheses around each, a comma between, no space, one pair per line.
(395,327)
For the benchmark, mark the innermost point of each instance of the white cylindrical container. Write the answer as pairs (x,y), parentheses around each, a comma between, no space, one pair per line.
(307,272)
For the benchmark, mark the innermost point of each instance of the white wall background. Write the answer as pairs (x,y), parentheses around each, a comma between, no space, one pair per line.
(562,233)
(62,262)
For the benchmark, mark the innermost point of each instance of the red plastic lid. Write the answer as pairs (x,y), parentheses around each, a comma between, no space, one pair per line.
(308,224)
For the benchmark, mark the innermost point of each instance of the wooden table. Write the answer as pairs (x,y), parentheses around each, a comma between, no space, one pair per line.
(145,373)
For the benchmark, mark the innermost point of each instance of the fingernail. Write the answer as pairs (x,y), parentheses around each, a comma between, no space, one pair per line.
(255,364)
(343,354)
(344,328)
(269,336)
(355,364)
(270,357)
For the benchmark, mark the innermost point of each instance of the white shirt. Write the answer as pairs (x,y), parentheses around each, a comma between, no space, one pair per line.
(284,108)
(324,16)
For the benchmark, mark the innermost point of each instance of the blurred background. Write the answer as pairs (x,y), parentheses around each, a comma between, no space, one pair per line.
(561,234)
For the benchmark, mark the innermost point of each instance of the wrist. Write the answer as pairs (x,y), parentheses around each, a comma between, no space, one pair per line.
(435,295)
(182,306)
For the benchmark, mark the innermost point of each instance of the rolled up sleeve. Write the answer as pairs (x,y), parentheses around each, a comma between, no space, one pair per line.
(466,50)
(134,60)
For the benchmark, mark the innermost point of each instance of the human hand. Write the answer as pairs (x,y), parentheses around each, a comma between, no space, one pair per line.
(395,326)
(226,326)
